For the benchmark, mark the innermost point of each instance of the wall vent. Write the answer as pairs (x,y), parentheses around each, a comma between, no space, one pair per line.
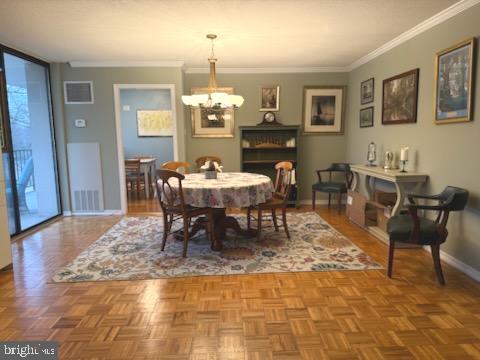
(78,92)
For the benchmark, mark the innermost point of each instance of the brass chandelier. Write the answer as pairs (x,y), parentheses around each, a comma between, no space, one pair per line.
(214,102)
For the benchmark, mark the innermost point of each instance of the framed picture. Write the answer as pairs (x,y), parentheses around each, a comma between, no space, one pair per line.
(366,117)
(399,103)
(323,109)
(454,83)
(154,123)
(269,98)
(367,90)
(204,125)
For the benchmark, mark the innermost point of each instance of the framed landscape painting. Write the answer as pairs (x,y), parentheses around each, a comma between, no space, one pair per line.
(154,123)
(367,89)
(399,103)
(366,117)
(454,83)
(323,109)
(214,123)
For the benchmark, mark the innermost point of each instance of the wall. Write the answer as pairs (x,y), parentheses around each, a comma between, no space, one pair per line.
(448,153)
(159,147)
(100,117)
(315,151)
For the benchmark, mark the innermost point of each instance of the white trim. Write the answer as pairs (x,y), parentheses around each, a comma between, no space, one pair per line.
(457,264)
(126,63)
(99,213)
(118,127)
(436,19)
(66,82)
(267,70)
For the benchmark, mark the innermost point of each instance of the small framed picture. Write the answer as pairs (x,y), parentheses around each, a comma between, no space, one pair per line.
(269,98)
(323,109)
(366,117)
(400,94)
(367,91)
(454,83)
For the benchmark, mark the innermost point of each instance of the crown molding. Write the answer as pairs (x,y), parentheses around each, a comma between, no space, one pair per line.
(267,70)
(436,19)
(79,64)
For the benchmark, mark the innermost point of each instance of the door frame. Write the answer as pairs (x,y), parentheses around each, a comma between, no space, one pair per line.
(119,131)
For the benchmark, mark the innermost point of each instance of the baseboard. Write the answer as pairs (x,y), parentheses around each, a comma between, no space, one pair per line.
(98,213)
(317,202)
(457,264)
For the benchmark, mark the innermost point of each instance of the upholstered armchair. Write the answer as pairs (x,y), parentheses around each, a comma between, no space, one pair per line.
(333,185)
(413,229)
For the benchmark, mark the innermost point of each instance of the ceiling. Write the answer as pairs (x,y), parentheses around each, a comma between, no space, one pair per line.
(252,33)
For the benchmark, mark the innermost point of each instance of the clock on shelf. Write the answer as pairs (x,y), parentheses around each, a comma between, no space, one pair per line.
(269,118)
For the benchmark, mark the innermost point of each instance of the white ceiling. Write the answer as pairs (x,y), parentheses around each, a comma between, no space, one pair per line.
(252,33)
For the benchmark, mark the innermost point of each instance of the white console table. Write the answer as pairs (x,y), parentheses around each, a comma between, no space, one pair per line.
(399,179)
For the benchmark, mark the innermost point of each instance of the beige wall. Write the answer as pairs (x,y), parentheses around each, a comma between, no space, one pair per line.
(448,153)
(315,151)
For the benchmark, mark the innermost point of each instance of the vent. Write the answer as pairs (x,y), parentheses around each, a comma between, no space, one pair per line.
(86,201)
(78,92)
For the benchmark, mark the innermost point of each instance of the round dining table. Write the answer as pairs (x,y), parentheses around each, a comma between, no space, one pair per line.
(228,190)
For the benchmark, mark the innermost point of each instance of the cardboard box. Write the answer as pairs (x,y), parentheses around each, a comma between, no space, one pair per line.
(359,210)
(383,215)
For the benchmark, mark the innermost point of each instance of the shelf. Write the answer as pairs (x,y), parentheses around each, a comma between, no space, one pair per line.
(266,161)
(270,148)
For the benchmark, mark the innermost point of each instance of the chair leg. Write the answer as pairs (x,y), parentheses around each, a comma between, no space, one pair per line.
(210,229)
(339,202)
(314,193)
(391,250)
(166,230)
(284,219)
(329,199)
(437,263)
(249,220)
(274,219)
(185,236)
(259,225)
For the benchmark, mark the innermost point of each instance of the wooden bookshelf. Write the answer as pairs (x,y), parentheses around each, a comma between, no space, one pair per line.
(264,146)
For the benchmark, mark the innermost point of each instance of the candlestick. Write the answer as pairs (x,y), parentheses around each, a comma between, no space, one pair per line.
(404,153)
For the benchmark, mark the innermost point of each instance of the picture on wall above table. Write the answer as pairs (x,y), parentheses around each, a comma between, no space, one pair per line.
(399,103)
(454,83)
(366,117)
(269,98)
(212,123)
(323,109)
(367,90)
(154,123)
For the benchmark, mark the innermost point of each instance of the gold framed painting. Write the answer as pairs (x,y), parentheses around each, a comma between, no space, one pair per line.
(454,83)
(154,123)
(204,125)
(323,109)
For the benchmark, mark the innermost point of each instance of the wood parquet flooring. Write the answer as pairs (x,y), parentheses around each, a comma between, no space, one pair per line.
(324,315)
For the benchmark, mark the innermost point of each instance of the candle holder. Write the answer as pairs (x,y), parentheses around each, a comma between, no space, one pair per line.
(404,163)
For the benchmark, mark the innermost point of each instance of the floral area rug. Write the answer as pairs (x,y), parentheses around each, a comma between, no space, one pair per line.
(130,250)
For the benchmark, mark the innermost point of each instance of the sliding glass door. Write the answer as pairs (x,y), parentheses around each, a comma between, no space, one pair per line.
(29,155)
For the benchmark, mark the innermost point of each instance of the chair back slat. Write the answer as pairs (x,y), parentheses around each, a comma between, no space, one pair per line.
(170,197)
(176,166)
(132,165)
(283,180)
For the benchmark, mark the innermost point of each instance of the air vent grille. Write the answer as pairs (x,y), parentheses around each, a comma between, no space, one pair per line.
(86,201)
(78,92)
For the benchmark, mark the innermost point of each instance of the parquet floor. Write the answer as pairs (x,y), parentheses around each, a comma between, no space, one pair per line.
(329,315)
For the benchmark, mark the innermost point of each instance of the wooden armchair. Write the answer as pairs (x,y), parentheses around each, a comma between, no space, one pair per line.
(199,162)
(174,207)
(176,165)
(278,202)
(332,186)
(410,228)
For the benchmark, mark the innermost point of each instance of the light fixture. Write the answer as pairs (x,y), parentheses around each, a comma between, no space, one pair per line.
(213,102)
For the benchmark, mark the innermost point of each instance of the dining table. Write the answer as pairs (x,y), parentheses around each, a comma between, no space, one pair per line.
(228,190)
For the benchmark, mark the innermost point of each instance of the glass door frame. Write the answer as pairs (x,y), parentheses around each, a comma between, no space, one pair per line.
(8,148)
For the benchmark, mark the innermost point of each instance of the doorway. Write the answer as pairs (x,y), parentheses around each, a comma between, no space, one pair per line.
(145,118)
(28,146)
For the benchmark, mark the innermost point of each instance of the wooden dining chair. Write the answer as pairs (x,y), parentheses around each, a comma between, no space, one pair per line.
(133,176)
(199,162)
(279,201)
(174,208)
(176,165)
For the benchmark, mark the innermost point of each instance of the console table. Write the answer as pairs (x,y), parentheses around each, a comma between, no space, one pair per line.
(399,179)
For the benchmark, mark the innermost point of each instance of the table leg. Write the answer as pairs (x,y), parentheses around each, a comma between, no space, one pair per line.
(146,170)
(368,187)
(400,198)
(355,181)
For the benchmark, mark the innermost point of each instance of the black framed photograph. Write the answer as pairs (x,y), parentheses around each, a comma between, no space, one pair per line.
(366,117)
(323,109)
(367,91)
(400,94)
(269,98)
(454,83)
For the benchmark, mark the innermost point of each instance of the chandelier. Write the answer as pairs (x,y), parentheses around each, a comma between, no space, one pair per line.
(213,103)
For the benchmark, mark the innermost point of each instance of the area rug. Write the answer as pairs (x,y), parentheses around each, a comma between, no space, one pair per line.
(130,250)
